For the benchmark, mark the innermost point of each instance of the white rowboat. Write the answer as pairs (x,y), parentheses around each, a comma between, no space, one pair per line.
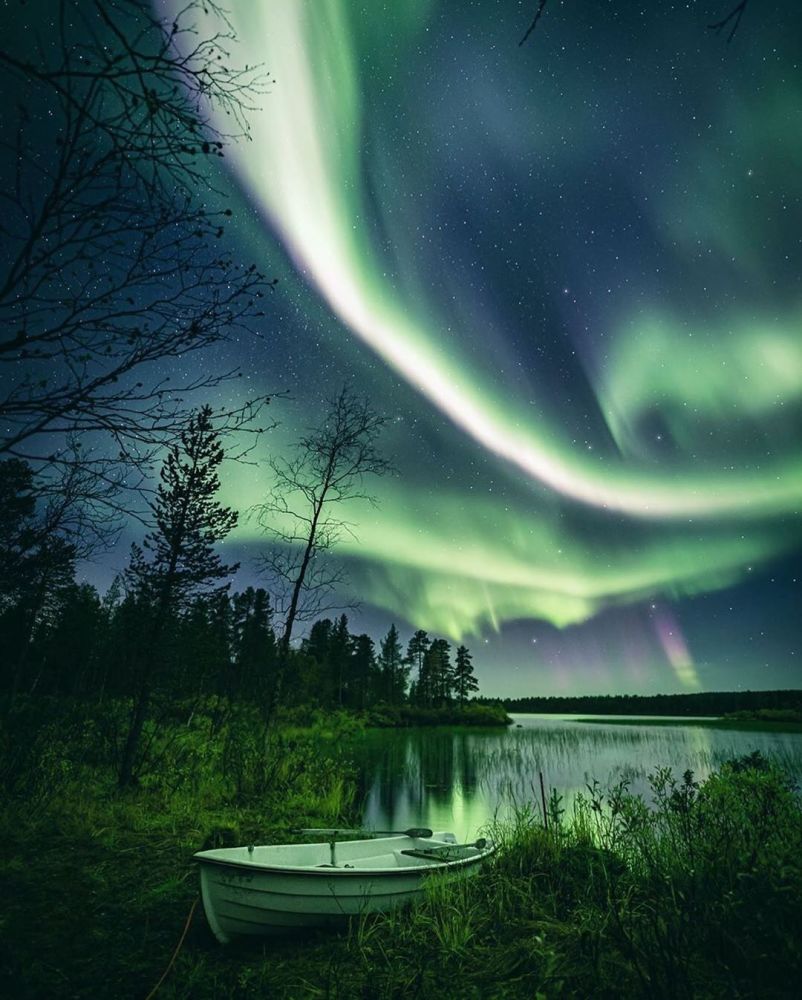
(269,890)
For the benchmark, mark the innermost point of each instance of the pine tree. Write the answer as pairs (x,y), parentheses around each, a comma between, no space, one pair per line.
(339,657)
(254,644)
(71,647)
(218,656)
(465,682)
(394,669)
(361,681)
(439,673)
(178,561)
(416,655)
(36,569)
(318,642)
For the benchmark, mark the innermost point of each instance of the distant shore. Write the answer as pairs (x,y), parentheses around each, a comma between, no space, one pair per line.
(719,704)
(760,721)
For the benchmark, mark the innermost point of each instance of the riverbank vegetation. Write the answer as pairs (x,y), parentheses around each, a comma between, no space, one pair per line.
(699,895)
(697,892)
(95,878)
(469,714)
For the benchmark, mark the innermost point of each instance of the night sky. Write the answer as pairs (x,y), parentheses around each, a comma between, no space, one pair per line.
(569,274)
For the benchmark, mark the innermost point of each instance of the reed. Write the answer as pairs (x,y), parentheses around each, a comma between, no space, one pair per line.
(694,892)
(694,889)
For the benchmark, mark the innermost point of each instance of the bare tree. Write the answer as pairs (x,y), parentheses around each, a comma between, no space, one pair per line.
(113,268)
(330,466)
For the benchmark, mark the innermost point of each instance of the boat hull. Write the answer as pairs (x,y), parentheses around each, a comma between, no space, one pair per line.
(256,899)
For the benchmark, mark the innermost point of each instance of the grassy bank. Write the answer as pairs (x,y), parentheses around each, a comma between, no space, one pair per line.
(96,882)
(470,714)
(398,717)
(700,895)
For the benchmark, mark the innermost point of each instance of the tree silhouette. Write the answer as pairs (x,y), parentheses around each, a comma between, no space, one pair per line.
(330,466)
(36,565)
(417,648)
(339,656)
(437,664)
(465,683)
(178,560)
(394,670)
(112,268)
(733,19)
(361,672)
(254,645)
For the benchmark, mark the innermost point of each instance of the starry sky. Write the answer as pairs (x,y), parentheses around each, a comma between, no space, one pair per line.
(568,272)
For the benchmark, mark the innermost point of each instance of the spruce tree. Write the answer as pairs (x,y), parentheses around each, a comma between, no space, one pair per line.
(178,560)
(465,682)
(439,679)
(394,670)
(254,645)
(362,672)
(416,654)
(339,657)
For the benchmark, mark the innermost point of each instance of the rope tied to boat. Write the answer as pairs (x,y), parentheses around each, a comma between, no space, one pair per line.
(171,963)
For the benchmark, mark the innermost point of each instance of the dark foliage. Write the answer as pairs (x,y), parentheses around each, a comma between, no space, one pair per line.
(701,703)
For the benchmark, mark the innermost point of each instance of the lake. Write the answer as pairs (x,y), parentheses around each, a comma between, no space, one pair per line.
(459,779)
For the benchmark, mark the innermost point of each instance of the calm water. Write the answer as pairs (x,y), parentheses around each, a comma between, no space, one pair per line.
(458,779)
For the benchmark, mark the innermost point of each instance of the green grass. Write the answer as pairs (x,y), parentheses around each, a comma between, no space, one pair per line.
(700,895)
(697,893)
(96,883)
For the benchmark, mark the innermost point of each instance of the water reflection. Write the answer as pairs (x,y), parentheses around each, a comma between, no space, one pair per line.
(459,779)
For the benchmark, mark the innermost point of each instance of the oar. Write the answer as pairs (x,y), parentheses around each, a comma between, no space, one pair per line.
(415,831)
(432,853)
(479,844)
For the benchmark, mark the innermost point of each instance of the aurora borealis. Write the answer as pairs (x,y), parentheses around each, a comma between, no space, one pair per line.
(569,274)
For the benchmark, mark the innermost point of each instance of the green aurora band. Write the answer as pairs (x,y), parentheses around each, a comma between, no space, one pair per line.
(456,569)
(304,168)
(695,522)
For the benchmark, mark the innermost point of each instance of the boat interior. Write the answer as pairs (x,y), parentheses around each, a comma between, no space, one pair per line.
(376,853)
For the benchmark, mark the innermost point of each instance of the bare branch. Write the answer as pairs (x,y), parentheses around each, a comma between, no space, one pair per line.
(114,268)
(540,8)
(735,16)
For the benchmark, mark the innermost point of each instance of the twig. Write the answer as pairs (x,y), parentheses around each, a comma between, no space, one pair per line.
(540,8)
(734,15)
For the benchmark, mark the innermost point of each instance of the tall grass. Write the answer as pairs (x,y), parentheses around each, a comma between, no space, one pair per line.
(693,890)
(95,882)
(696,893)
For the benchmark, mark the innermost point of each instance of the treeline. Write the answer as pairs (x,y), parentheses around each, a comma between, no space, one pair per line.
(697,703)
(169,625)
(82,645)
(63,638)
(169,633)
